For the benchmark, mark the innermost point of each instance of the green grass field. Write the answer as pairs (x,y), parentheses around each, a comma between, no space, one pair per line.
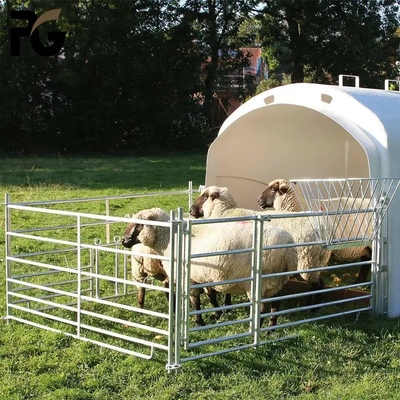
(338,359)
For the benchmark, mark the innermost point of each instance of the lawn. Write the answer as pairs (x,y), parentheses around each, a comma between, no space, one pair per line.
(340,359)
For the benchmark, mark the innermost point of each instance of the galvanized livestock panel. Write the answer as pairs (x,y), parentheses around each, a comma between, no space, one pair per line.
(77,281)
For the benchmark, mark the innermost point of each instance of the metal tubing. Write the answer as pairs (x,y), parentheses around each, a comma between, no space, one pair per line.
(116,272)
(247,320)
(8,253)
(190,190)
(322,305)
(91,264)
(186,269)
(171,292)
(177,226)
(79,277)
(179,331)
(222,339)
(257,283)
(320,318)
(101,344)
(102,198)
(108,224)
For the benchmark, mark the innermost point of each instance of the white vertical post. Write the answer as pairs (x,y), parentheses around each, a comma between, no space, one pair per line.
(257,277)
(174,299)
(8,252)
(186,267)
(116,270)
(379,269)
(179,284)
(107,224)
(190,194)
(79,276)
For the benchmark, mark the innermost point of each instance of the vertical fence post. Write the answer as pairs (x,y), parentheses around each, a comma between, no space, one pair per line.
(97,242)
(124,266)
(257,272)
(186,267)
(179,278)
(171,303)
(7,223)
(91,264)
(379,264)
(107,224)
(175,289)
(79,276)
(190,194)
(116,270)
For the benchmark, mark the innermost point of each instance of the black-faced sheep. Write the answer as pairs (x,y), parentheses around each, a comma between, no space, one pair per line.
(216,238)
(218,202)
(280,195)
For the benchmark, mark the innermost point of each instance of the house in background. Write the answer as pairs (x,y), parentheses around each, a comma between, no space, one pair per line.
(228,95)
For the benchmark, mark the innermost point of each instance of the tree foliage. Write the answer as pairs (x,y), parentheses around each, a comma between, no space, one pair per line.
(217,23)
(325,38)
(142,75)
(127,79)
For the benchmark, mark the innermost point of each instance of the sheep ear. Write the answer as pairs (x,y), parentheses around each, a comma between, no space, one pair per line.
(283,188)
(214,195)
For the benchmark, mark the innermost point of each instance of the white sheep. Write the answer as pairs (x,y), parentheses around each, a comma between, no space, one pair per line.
(143,267)
(218,202)
(280,195)
(216,238)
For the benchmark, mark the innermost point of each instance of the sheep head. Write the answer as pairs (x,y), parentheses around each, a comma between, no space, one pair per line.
(273,193)
(209,197)
(142,232)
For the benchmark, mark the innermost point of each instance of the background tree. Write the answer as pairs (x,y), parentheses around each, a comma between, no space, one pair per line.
(217,23)
(141,75)
(324,38)
(127,78)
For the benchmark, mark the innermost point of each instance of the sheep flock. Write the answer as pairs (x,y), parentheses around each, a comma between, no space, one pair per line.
(221,237)
(290,247)
(281,196)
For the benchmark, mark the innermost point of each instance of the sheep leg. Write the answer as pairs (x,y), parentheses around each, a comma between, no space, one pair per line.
(141,296)
(362,274)
(364,269)
(228,299)
(275,306)
(316,298)
(166,285)
(194,300)
(196,303)
(212,297)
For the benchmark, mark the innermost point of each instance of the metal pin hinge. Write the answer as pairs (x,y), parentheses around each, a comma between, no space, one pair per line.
(383,268)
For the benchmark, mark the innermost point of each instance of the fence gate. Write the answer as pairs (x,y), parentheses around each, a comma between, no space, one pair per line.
(68,272)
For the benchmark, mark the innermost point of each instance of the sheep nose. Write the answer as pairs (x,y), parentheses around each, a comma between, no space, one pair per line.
(126,242)
(195,212)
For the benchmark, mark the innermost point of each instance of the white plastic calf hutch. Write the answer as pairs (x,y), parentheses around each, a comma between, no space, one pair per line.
(312,131)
